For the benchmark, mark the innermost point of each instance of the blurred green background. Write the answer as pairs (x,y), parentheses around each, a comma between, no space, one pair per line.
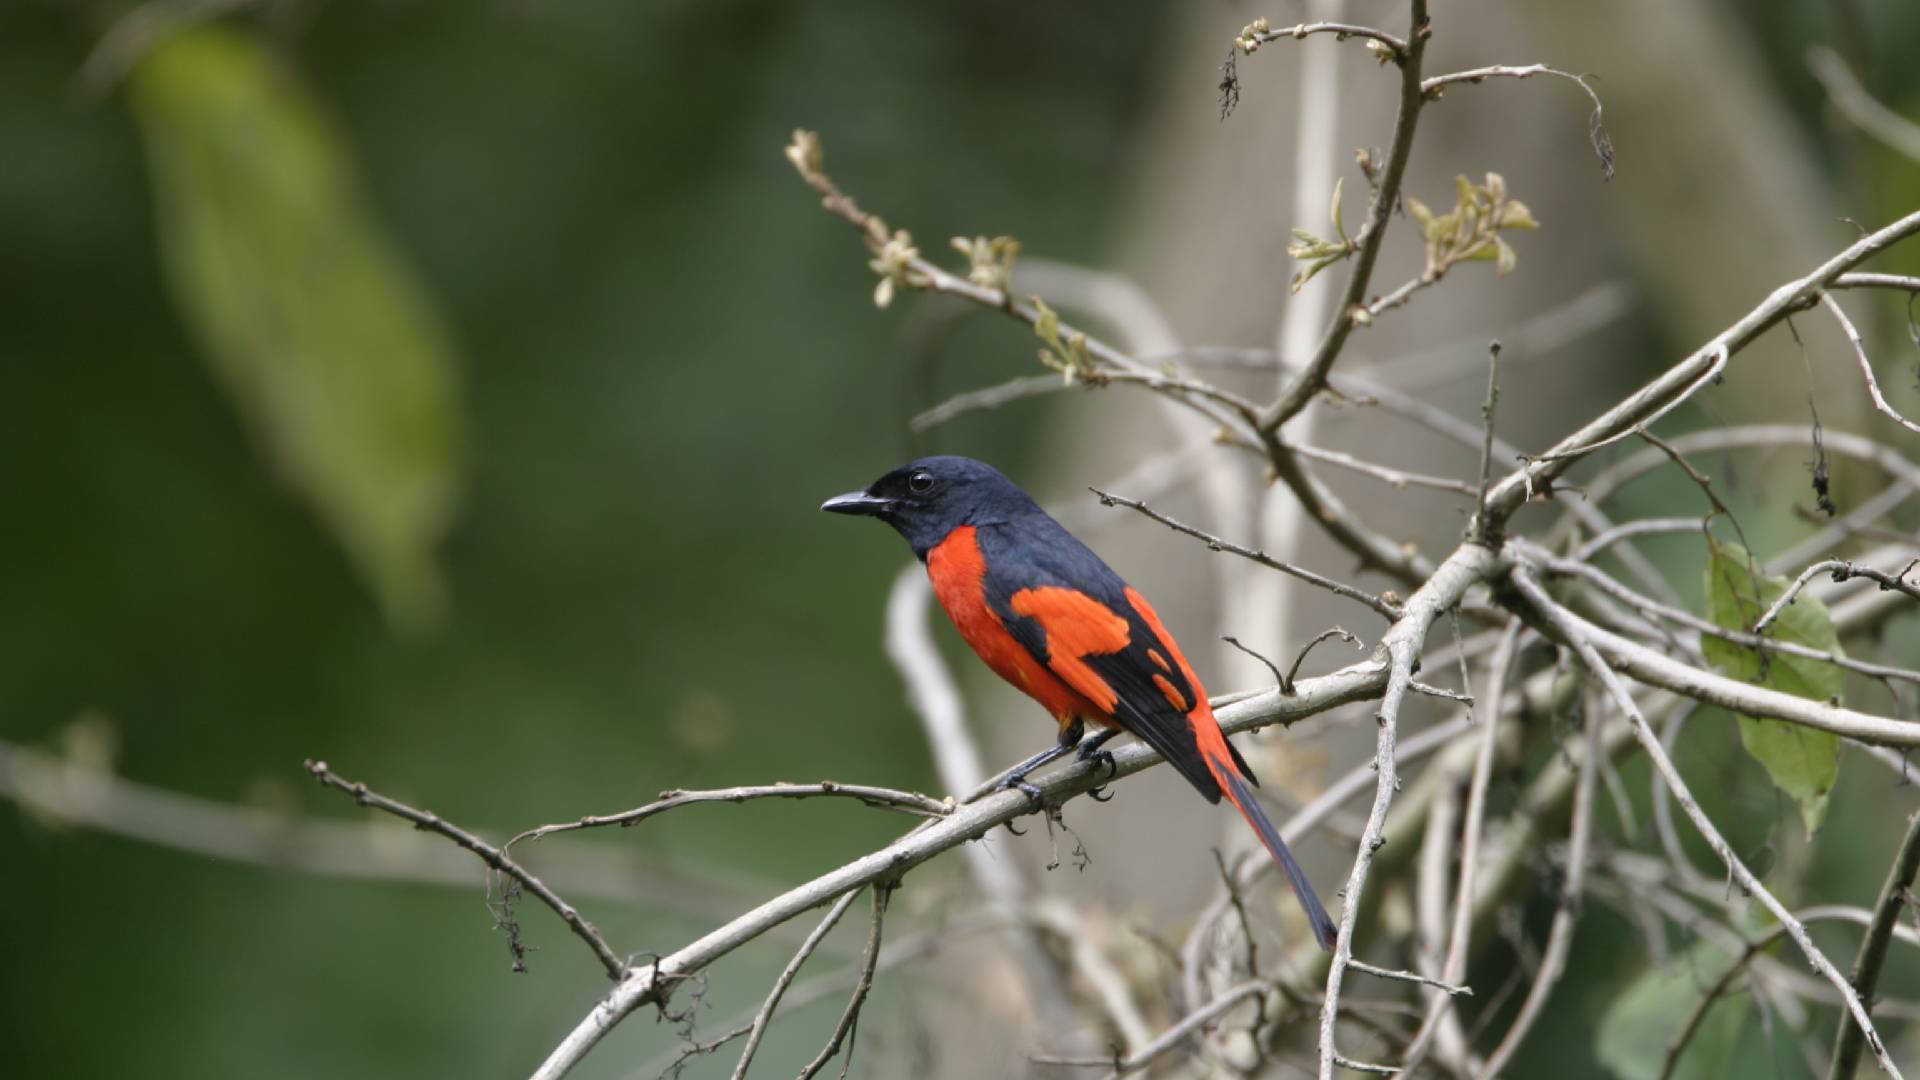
(618,357)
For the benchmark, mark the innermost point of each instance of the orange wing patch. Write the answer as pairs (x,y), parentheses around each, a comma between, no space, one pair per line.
(1160,658)
(1076,625)
(1160,631)
(1171,692)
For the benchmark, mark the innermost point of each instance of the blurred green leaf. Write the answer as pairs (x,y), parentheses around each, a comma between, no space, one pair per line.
(1650,1013)
(1803,762)
(325,342)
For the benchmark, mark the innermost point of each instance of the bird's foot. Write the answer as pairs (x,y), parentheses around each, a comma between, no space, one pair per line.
(1018,782)
(1101,757)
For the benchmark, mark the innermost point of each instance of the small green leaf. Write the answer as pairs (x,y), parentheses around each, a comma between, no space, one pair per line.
(1515,215)
(1048,324)
(1650,1013)
(1802,761)
(1339,228)
(310,320)
(1420,214)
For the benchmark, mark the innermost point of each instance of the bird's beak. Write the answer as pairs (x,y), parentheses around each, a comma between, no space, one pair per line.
(858,502)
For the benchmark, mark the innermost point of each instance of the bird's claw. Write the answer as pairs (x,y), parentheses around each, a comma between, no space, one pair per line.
(1100,794)
(1035,797)
(1102,757)
(1018,782)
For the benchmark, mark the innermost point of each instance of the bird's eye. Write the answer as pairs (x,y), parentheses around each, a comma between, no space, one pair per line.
(920,483)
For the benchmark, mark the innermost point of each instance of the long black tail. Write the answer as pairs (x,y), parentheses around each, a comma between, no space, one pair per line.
(1240,793)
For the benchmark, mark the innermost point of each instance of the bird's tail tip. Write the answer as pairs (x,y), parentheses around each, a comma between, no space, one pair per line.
(1240,793)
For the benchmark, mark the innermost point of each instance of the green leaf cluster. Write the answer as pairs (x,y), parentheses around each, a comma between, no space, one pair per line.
(990,260)
(1068,355)
(1319,253)
(1470,232)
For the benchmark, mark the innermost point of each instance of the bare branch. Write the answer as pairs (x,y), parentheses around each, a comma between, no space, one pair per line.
(1839,570)
(1478,529)
(990,397)
(843,1031)
(1412,977)
(1324,635)
(906,802)
(1260,35)
(1215,543)
(1173,1036)
(1397,477)
(494,857)
(758,1029)
(1897,282)
(1596,122)
(1866,366)
(1406,120)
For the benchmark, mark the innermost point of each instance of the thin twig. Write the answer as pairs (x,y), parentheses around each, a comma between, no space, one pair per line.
(757,1030)
(843,1032)
(1284,682)
(1399,478)
(906,802)
(496,858)
(1341,31)
(1866,365)
(1324,635)
(1596,122)
(1338,588)
(1412,977)
(1167,1040)
(1841,570)
(989,397)
(1478,530)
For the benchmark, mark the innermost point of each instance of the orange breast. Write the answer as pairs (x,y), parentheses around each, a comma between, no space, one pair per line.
(958,571)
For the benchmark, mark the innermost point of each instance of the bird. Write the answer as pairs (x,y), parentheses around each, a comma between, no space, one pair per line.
(1054,620)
